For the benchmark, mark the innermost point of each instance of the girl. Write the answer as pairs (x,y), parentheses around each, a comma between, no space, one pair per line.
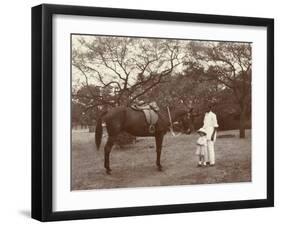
(201,149)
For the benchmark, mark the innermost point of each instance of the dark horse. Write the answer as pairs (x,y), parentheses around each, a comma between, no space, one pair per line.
(125,119)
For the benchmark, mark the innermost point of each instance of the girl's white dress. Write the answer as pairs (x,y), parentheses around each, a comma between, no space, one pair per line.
(201,146)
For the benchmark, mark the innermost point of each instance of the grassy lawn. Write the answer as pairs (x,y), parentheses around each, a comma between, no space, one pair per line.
(134,166)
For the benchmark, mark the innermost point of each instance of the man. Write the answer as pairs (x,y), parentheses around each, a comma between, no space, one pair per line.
(210,126)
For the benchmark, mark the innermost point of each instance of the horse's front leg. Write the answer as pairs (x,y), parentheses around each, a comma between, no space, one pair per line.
(107,150)
(159,141)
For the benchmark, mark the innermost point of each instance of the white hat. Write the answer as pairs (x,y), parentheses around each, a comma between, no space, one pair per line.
(202,130)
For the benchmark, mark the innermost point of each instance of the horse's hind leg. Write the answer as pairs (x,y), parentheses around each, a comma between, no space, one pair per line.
(159,140)
(107,150)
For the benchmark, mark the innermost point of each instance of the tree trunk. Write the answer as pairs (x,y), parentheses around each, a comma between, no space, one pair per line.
(91,129)
(242,122)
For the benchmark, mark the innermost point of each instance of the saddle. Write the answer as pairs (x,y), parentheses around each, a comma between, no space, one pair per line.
(150,112)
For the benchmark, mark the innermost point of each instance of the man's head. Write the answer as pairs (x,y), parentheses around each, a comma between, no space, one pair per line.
(210,107)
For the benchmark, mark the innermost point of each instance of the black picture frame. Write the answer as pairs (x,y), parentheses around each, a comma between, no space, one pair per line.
(42,108)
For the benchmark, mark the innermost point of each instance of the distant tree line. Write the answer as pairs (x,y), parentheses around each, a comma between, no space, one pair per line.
(114,71)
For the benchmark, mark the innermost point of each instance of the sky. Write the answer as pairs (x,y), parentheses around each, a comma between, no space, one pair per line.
(78,78)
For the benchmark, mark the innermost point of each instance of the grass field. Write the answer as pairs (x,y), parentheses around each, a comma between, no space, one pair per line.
(134,166)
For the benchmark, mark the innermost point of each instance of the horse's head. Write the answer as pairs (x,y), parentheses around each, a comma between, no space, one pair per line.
(181,115)
(186,123)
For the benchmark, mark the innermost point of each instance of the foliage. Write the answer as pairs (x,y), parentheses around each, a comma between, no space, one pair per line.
(110,71)
(130,66)
(230,65)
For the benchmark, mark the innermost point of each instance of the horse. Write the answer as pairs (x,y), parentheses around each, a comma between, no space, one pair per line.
(125,119)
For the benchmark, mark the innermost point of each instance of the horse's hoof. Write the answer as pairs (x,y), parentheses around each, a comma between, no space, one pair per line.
(108,171)
(160,168)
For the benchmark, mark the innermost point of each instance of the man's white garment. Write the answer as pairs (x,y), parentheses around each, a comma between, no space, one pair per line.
(210,123)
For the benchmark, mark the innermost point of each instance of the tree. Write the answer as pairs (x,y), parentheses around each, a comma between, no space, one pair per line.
(230,65)
(80,100)
(112,71)
(130,67)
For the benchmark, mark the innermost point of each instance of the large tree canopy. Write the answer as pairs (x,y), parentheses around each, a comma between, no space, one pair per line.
(131,67)
(230,65)
(110,71)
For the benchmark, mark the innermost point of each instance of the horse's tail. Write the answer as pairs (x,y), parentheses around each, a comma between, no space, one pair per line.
(98,132)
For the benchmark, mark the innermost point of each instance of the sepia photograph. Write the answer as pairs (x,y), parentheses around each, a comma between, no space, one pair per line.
(149,111)
(141,112)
